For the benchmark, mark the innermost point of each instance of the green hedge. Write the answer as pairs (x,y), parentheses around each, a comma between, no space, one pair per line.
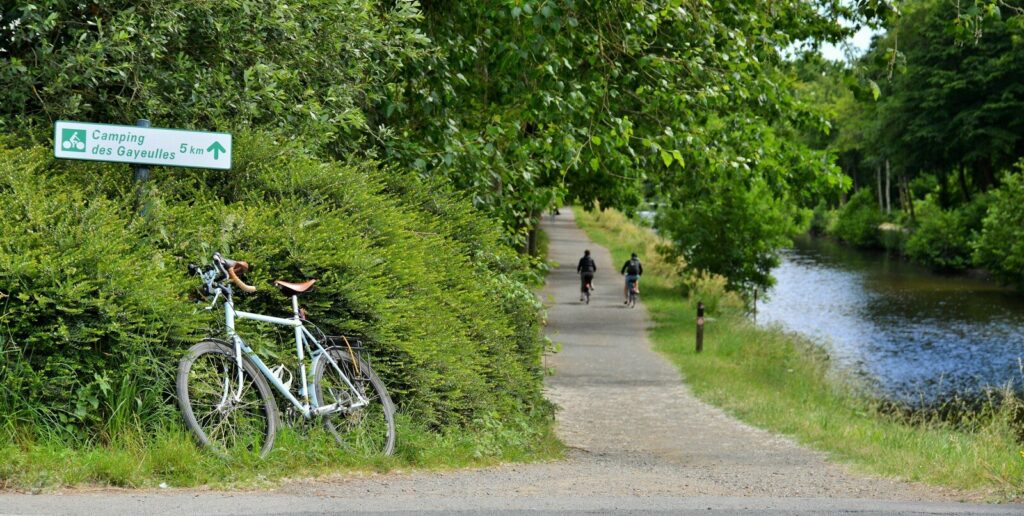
(96,304)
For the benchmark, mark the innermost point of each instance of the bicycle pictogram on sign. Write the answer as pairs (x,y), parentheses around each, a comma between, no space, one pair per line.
(73,140)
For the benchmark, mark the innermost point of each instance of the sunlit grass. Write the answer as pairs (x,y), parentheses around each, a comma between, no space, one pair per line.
(169,456)
(779,381)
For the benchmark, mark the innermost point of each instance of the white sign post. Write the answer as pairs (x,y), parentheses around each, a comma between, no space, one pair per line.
(141,145)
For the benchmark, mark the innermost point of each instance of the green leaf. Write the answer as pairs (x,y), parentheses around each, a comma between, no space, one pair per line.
(875,91)
(679,158)
(666,158)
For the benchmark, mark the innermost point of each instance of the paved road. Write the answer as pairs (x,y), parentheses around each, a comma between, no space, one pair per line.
(639,443)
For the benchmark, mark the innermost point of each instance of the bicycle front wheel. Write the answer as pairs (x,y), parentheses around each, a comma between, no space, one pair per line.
(365,430)
(227,413)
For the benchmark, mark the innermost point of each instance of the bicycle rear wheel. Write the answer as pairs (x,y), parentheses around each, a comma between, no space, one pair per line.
(366,430)
(207,385)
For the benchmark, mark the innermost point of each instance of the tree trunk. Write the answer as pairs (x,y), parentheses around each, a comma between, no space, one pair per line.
(964,187)
(878,186)
(888,188)
(908,199)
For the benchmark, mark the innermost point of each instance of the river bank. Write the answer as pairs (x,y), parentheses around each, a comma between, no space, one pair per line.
(910,336)
(780,382)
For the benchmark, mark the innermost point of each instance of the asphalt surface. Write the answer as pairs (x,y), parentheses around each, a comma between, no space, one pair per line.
(640,443)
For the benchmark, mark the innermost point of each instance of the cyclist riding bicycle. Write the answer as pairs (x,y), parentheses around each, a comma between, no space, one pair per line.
(633,270)
(586,269)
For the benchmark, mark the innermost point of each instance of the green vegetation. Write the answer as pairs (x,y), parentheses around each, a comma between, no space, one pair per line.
(97,307)
(403,152)
(290,68)
(607,102)
(168,456)
(1000,246)
(926,125)
(858,221)
(781,382)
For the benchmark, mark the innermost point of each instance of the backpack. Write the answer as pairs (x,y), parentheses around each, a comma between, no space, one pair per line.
(588,265)
(633,267)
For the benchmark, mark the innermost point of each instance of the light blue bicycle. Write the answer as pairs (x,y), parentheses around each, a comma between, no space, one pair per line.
(223,389)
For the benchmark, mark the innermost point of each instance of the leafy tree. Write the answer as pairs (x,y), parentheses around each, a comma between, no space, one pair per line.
(307,69)
(602,101)
(1000,248)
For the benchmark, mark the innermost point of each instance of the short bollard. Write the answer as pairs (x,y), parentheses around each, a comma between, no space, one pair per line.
(700,326)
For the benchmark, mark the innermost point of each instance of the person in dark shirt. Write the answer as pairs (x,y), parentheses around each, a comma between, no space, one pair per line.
(632,269)
(586,269)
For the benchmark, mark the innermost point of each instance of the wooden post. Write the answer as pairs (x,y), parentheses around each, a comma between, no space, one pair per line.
(700,326)
(755,304)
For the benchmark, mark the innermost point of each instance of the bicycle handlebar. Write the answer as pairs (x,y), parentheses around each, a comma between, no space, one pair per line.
(236,280)
(233,268)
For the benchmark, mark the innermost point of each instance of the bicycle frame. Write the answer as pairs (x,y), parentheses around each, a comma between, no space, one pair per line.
(303,339)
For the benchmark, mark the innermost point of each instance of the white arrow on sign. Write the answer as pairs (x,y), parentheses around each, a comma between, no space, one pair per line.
(141,145)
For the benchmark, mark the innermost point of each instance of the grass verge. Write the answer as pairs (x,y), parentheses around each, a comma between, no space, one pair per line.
(170,457)
(780,382)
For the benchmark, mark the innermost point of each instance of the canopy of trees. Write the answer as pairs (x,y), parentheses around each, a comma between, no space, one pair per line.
(929,121)
(521,104)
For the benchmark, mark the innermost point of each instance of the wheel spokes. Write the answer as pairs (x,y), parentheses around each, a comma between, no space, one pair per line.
(226,423)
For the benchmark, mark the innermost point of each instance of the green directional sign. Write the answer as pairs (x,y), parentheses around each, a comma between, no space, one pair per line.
(141,145)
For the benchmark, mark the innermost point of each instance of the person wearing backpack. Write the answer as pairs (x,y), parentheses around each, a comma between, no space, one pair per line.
(632,269)
(586,269)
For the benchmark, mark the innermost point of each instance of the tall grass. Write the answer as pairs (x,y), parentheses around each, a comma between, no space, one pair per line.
(132,458)
(782,382)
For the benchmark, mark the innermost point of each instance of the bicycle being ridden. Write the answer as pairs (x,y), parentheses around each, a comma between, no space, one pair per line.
(224,387)
(632,269)
(586,269)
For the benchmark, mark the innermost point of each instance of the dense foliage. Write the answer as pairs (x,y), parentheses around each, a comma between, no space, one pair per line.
(1000,247)
(309,69)
(97,300)
(859,220)
(608,102)
(927,124)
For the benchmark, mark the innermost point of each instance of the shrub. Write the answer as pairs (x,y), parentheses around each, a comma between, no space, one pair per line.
(942,239)
(939,241)
(1000,246)
(823,219)
(96,296)
(859,219)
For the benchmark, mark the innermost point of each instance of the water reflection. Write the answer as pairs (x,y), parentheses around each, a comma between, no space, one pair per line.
(911,335)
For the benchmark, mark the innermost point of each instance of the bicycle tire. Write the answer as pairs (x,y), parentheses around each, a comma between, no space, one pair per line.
(203,373)
(632,299)
(367,430)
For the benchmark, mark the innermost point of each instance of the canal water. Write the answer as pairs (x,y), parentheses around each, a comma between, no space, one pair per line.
(908,335)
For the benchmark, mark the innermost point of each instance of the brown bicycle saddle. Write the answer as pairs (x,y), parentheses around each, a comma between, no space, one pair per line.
(293,289)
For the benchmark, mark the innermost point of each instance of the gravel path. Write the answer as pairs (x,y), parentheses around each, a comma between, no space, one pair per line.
(639,441)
